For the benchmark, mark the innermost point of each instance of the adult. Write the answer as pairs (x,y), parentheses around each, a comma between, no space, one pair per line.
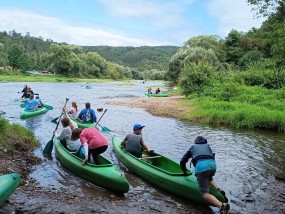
(133,142)
(203,160)
(149,90)
(93,142)
(27,92)
(87,114)
(65,135)
(31,104)
(157,91)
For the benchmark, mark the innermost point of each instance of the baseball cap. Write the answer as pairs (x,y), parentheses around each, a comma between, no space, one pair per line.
(137,126)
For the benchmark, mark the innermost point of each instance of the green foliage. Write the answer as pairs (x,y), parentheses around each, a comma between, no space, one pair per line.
(142,58)
(3,55)
(14,55)
(11,134)
(249,58)
(195,78)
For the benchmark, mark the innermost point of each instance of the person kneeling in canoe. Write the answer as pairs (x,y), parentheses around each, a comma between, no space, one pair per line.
(203,160)
(65,135)
(31,104)
(93,142)
(133,143)
(87,115)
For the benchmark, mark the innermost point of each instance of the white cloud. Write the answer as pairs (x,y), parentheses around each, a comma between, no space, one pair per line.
(53,28)
(233,15)
(162,14)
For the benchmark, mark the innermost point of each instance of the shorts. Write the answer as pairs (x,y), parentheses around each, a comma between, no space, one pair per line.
(204,179)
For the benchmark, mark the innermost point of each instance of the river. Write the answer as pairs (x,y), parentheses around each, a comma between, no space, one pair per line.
(247,159)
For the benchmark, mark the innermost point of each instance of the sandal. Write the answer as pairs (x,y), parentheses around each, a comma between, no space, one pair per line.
(225,208)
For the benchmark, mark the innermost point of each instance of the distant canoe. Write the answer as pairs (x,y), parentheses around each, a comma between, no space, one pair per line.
(156,95)
(8,184)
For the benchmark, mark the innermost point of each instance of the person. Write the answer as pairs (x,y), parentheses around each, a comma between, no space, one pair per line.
(93,142)
(87,115)
(25,89)
(205,168)
(40,104)
(157,91)
(27,92)
(65,135)
(149,90)
(133,142)
(73,110)
(31,104)
(87,86)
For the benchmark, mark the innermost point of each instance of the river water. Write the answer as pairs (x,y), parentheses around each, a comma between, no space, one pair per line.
(247,160)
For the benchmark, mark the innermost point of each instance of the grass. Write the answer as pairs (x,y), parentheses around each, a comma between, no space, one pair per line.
(13,135)
(9,76)
(246,107)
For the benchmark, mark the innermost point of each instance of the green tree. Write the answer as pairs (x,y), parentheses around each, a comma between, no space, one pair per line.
(266,7)
(3,55)
(14,55)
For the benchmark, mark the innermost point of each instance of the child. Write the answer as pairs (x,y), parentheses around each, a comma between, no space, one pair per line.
(133,143)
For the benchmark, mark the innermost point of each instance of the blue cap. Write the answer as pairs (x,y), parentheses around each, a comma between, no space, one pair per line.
(137,126)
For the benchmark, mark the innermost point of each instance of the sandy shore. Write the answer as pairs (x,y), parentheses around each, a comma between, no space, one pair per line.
(159,106)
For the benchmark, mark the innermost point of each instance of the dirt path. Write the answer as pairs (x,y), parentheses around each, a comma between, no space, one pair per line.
(159,106)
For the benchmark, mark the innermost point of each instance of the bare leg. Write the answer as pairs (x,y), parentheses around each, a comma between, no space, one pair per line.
(212,200)
(213,183)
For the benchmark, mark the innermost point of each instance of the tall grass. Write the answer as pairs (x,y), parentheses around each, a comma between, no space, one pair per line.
(14,134)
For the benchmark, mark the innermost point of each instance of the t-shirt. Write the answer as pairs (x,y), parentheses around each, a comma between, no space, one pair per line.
(88,115)
(30,104)
(73,112)
(93,138)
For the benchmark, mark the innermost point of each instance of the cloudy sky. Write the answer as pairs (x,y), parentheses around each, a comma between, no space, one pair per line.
(125,22)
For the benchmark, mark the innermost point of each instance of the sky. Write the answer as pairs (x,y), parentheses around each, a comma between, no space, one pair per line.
(125,22)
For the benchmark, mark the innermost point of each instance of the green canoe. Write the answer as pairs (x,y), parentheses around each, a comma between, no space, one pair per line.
(26,114)
(156,95)
(105,174)
(49,107)
(163,173)
(8,184)
(83,125)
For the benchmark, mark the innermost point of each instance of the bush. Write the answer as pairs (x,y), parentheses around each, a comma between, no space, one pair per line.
(195,78)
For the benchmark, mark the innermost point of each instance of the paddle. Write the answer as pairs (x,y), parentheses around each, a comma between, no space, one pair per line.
(97,123)
(49,146)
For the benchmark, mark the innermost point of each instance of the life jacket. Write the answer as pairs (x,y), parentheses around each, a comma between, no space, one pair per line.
(201,150)
(133,145)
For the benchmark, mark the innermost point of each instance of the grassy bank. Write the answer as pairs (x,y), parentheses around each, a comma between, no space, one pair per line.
(238,107)
(9,76)
(14,136)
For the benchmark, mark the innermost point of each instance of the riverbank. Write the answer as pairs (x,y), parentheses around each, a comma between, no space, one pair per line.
(6,76)
(160,106)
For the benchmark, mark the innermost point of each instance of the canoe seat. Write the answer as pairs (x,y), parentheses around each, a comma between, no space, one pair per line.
(150,157)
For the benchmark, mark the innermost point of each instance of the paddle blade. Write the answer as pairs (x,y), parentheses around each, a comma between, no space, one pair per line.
(54,120)
(106,129)
(48,148)
(49,107)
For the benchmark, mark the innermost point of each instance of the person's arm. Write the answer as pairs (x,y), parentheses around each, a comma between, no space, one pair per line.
(94,118)
(123,143)
(184,160)
(86,150)
(61,135)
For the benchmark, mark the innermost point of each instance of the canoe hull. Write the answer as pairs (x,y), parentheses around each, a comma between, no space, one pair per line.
(156,95)
(176,183)
(105,174)
(8,184)
(85,125)
(27,114)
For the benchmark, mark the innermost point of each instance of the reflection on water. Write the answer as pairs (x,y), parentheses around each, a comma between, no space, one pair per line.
(247,160)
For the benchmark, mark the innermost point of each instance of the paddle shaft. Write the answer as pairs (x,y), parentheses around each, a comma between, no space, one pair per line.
(49,146)
(100,118)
